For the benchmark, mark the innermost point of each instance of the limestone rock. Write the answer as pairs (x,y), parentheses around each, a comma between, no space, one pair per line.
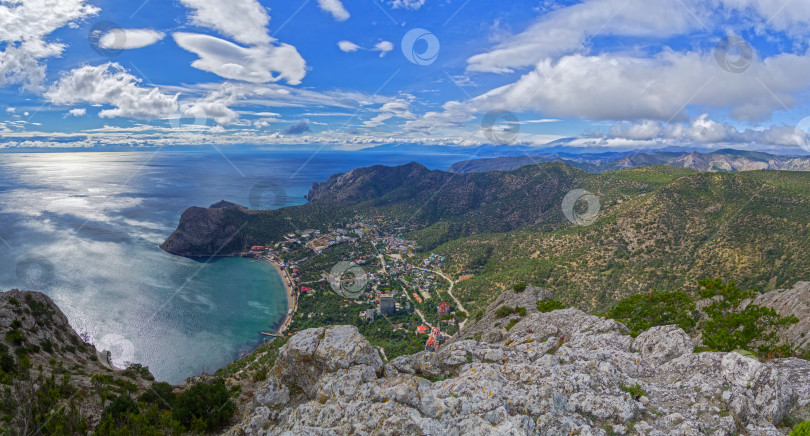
(557,373)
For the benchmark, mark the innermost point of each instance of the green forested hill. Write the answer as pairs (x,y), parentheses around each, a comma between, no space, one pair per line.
(751,227)
(659,226)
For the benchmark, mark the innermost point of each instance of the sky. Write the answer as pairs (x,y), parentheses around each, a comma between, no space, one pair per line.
(589,75)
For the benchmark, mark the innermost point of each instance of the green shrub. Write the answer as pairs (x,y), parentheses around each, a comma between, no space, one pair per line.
(260,375)
(521,311)
(15,336)
(120,407)
(635,391)
(548,305)
(520,287)
(640,312)
(207,403)
(802,429)
(731,328)
(160,394)
(504,311)
(512,324)
(7,363)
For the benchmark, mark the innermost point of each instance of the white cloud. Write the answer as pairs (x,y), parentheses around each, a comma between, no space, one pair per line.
(24,27)
(348,46)
(407,4)
(566,30)
(111,84)
(215,105)
(11,110)
(392,109)
(608,87)
(384,47)
(122,39)
(335,7)
(792,17)
(256,64)
(243,20)
(702,130)
(77,112)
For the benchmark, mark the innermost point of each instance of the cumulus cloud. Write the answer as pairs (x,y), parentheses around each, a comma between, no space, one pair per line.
(701,130)
(566,80)
(256,64)
(393,109)
(335,7)
(124,39)
(348,46)
(110,84)
(11,110)
(613,87)
(215,105)
(243,20)
(407,4)
(298,128)
(77,112)
(384,47)
(23,29)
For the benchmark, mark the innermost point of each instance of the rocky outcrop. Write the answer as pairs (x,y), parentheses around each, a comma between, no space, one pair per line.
(796,302)
(215,231)
(558,373)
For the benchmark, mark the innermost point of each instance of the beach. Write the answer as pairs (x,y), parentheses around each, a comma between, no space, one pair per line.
(292,300)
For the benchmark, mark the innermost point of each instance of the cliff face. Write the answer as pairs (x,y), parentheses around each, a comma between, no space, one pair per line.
(38,346)
(559,373)
(215,231)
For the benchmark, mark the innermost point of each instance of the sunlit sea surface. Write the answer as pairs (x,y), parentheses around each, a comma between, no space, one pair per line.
(84,228)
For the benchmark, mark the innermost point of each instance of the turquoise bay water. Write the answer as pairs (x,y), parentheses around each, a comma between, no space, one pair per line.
(85,227)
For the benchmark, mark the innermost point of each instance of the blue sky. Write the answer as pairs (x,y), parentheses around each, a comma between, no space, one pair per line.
(593,74)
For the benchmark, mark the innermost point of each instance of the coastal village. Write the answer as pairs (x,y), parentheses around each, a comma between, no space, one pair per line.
(381,281)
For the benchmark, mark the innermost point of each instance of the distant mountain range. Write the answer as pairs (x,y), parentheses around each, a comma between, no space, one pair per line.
(727,160)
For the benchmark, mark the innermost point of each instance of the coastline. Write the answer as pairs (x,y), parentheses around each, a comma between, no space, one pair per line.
(292,301)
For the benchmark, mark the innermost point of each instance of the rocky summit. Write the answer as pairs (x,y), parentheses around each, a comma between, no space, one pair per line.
(558,373)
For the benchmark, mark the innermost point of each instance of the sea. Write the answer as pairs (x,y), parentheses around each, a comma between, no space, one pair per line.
(84,228)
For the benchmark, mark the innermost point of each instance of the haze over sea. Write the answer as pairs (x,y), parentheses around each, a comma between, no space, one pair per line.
(84,228)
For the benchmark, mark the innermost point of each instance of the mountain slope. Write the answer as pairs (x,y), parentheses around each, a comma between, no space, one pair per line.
(721,160)
(730,226)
